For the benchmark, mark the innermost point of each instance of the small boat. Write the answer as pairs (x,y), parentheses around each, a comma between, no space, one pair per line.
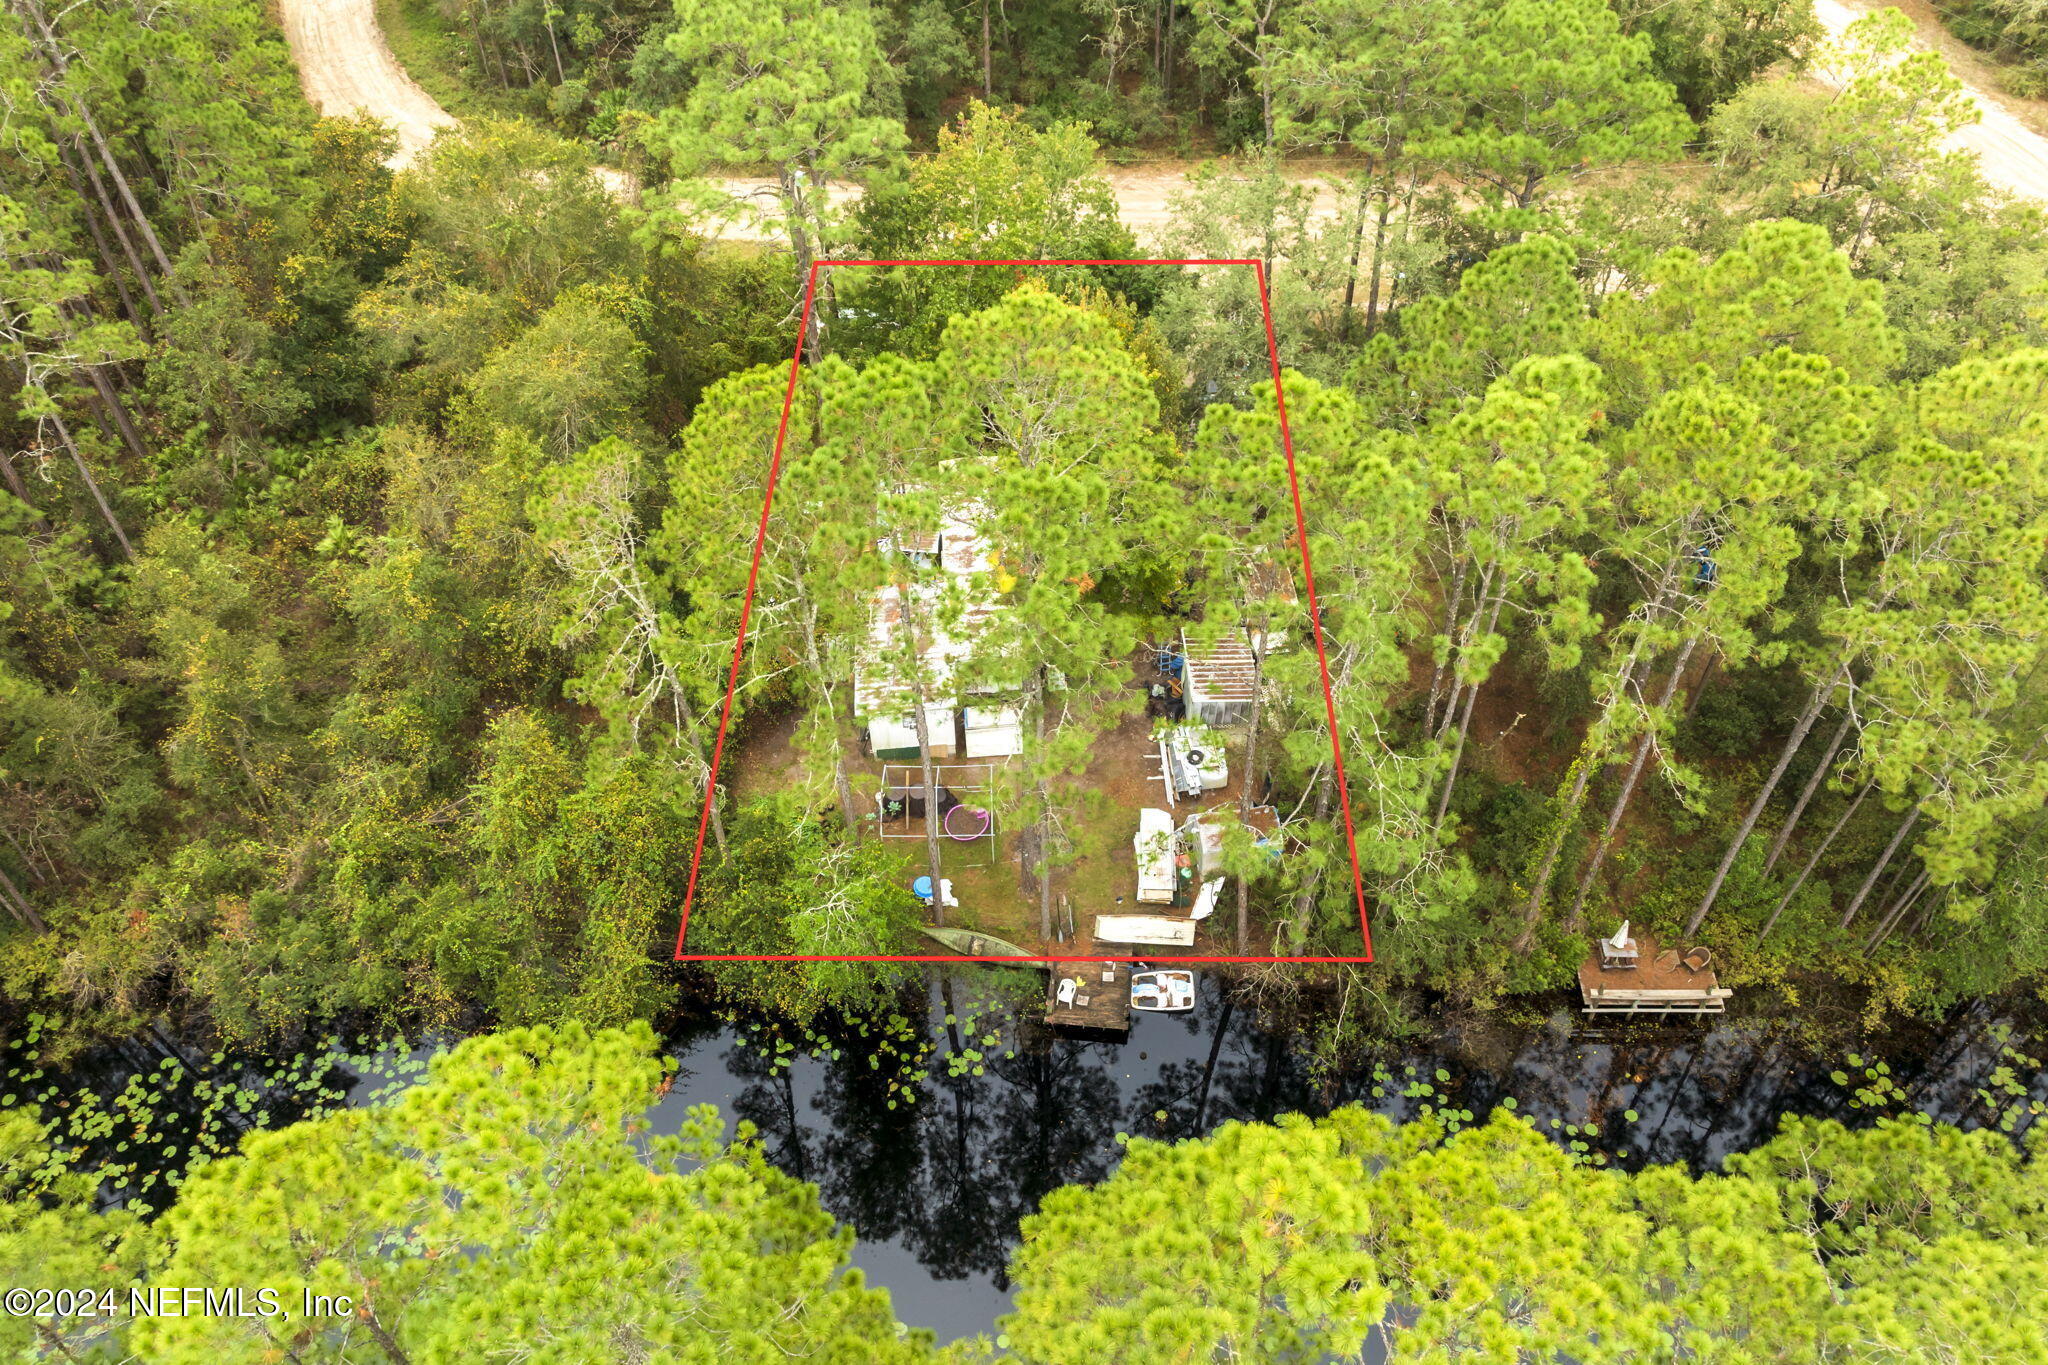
(1165,992)
(973,943)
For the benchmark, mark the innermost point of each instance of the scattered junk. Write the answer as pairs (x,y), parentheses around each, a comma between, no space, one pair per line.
(1205,899)
(1175,933)
(1192,758)
(1706,572)
(1157,848)
(974,943)
(1163,992)
(1163,696)
(1165,773)
(1614,981)
(922,889)
(1206,832)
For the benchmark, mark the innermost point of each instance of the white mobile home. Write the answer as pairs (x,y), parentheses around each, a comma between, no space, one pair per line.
(885,701)
(1157,850)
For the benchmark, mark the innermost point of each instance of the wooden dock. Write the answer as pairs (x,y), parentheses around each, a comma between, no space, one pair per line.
(1099,1006)
(1649,989)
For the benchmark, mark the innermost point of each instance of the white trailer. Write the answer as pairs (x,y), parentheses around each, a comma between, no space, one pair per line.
(1156,846)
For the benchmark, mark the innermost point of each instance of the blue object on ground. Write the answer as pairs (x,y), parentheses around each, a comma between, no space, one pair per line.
(922,888)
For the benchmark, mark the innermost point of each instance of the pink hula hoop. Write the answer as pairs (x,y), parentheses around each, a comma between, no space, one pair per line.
(952,833)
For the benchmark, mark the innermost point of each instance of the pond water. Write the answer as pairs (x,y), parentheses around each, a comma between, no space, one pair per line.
(933,1162)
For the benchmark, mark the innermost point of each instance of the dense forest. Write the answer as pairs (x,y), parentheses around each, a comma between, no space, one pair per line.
(1671,446)
(1671,429)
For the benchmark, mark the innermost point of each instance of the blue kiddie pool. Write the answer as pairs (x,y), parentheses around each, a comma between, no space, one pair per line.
(922,889)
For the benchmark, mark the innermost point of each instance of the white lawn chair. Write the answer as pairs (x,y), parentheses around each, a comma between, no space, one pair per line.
(1068,985)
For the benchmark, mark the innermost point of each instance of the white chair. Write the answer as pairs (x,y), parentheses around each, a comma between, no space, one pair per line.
(1068,985)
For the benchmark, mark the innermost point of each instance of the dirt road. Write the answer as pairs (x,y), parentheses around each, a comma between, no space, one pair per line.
(1142,193)
(345,66)
(2012,155)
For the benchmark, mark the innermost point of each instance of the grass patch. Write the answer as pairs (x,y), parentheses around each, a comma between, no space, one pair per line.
(441,59)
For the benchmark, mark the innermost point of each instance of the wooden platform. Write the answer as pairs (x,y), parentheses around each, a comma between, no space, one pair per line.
(1648,988)
(1109,1002)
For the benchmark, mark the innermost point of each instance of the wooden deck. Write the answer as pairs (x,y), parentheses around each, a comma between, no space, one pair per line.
(1649,988)
(1109,1002)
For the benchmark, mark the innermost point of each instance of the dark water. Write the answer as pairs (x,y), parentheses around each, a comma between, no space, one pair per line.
(934,1185)
(935,1189)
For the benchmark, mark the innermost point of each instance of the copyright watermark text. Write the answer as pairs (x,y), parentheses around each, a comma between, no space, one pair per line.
(171,1301)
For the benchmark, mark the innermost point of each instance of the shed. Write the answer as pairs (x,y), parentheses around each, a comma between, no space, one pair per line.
(991,731)
(1218,679)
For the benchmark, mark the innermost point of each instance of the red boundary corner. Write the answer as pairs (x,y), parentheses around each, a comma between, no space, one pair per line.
(753,574)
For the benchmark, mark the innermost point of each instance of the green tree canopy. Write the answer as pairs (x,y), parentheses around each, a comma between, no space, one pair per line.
(516,1200)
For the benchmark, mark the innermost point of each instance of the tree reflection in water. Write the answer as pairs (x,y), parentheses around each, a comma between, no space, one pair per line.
(935,1188)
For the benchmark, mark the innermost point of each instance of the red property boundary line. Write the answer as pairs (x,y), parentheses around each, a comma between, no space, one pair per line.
(754,572)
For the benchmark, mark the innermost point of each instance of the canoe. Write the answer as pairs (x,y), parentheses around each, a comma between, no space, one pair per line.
(974,943)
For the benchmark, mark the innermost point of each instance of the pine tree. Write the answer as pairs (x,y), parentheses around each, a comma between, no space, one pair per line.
(1366,78)
(1553,88)
(635,664)
(1058,425)
(1515,476)
(785,86)
(514,1200)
